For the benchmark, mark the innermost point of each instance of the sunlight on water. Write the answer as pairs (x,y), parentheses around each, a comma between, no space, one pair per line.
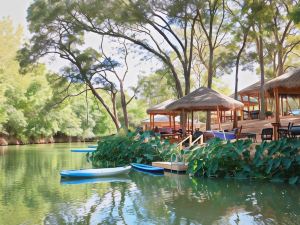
(32,192)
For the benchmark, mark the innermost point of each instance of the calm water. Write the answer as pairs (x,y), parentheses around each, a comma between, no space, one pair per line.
(31,192)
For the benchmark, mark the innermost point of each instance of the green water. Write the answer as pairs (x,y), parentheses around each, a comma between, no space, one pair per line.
(31,192)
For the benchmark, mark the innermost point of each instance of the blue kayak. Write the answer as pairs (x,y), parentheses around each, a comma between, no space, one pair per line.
(147,168)
(92,146)
(90,173)
(84,150)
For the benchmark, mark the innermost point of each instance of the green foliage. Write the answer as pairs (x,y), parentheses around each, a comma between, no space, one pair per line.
(277,161)
(29,107)
(123,149)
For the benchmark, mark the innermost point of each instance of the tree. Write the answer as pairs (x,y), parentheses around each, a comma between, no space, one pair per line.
(241,24)
(211,21)
(150,25)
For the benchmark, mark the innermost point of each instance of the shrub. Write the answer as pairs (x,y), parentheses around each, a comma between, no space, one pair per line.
(276,161)
(123,149)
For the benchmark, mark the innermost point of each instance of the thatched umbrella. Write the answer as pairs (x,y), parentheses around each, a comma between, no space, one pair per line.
(205,99)
(285,84)
(161,109)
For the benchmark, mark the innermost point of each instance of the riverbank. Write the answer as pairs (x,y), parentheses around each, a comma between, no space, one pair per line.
(10,140)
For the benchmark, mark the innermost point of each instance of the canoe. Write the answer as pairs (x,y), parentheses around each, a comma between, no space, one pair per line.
(92,146)
(95,180)
(160,174)
(104,172)
(84,150)
(147,168)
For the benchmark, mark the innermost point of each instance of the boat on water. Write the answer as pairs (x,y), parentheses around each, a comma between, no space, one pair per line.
(96,180)
(148,168)
(84,150)
(92,146)
(89,173)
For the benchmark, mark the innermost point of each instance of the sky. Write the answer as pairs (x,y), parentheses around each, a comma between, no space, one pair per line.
(17,10)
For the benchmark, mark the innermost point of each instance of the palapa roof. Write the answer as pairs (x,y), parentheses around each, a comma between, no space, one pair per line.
(252,90)
(161,108)
(161,119)
(205,99)
(251,101)
(287,83)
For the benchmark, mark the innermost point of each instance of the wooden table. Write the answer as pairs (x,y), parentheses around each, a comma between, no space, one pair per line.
(173,135)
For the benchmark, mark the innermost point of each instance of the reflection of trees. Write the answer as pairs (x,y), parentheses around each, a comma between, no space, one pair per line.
(30,185)
(206,201)
(29,181)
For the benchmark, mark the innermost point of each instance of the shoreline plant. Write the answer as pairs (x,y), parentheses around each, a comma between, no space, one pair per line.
(277,161)
(132,147)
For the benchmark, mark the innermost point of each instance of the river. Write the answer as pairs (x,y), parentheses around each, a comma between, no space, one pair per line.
(32,192)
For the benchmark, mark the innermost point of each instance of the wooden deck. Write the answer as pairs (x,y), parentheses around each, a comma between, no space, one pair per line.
(173,166)
(255,126)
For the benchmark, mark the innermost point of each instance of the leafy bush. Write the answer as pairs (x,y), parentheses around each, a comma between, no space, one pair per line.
(123,149)
(276,161)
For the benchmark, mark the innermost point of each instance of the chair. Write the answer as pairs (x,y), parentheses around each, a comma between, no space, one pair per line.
(267,134)
(283,133)
(197,134)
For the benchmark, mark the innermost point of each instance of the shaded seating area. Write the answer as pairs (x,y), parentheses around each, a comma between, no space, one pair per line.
(204,99)
(287,84)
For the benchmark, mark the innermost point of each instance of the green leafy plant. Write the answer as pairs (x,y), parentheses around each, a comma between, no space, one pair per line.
(123,149)
(277,161)
(269,113)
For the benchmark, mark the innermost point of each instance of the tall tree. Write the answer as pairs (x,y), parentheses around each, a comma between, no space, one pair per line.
(241,24)
(212,21)
(160,28)
(57,36)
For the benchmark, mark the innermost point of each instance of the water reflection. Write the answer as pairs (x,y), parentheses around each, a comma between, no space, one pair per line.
(30,185)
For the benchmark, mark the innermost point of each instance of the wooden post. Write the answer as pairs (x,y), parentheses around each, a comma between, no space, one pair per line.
(170,121)
(277,111)
(174,124)
(286,105)
(218,117)
(281,104)
(188,121)
(150,125)
(258,99)
(248,107)
(192,122)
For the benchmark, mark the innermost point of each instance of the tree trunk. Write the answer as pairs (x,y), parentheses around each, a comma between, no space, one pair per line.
(262,113)
(209,84)
(111,114)
(124,105)
(237,64)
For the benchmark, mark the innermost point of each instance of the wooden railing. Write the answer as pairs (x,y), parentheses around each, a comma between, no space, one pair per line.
(191,142)
(184,140)
(197,139)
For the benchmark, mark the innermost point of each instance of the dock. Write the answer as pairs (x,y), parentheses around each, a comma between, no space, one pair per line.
(173,166)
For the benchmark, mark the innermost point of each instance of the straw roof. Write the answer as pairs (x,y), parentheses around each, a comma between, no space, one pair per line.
(251,101)
(161,108)
(161,119)
(287,83)
(204,99)
(252,90)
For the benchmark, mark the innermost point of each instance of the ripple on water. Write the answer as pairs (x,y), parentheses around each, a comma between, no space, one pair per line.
(32,193)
